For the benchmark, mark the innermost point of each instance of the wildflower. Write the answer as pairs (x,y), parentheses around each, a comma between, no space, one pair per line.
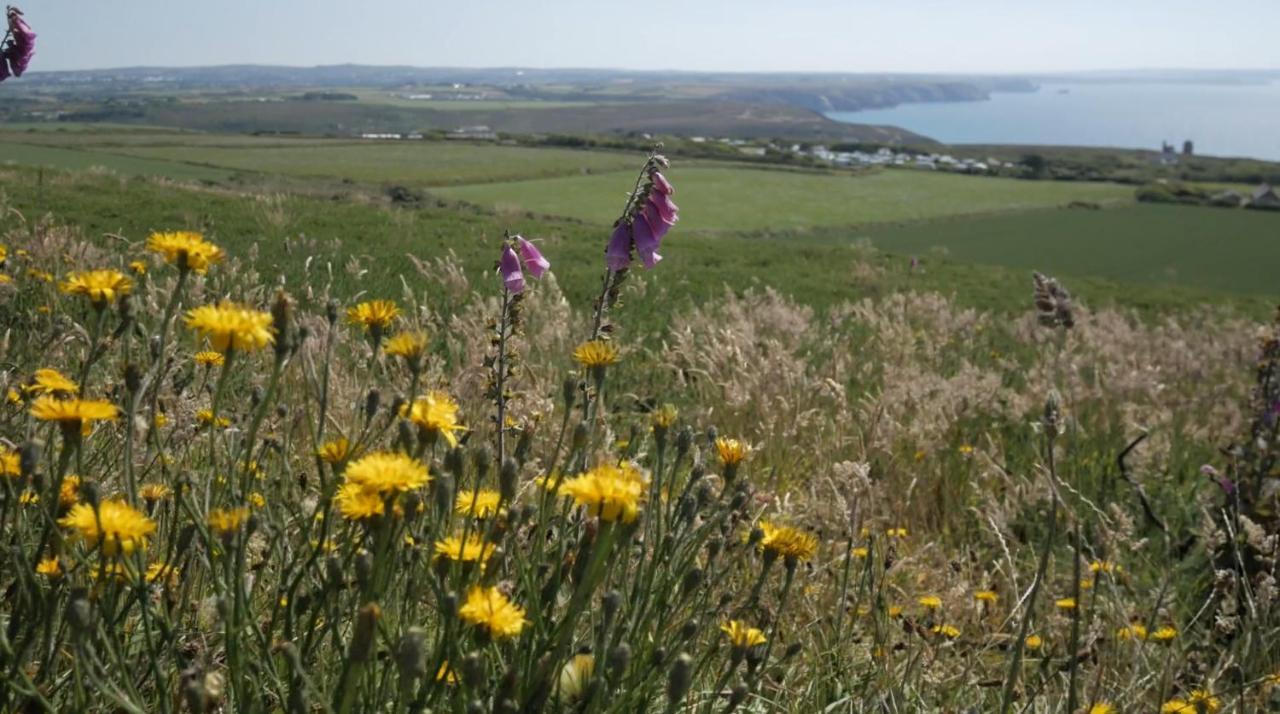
(612,493)
(509,264)
(69,491)
(206,418)
(385,473)
(731,451)
(472,549)
(532,258)
(11,396)
(790,543)
(574,676)
(1103,566)
(664,417)
(50,568)
(1165,634)
(894,611)
(596,354)
(118,526)
(357,503)
(51,381)
(480,503)
(229,326)
(10,462)
(257,500)
(226,521)
(1053,302)
(209,358)
(896,532)
(436,414)
(1066,603)
(335,451)
(948,631)
(741,636)
(408,345)
(986,596)
(490,609)
(41,275)
(373,315)
(644,229)
(933,602)
(966,450)
(186,249)
(861,552)
(17,54)
(29,498)
(160,421)
(446,674)
(1135,631)
(1033,642)
(162,572)
(1102,708)
(73,412)
(100,286)
(153,492)
(1198,702)
(138,267)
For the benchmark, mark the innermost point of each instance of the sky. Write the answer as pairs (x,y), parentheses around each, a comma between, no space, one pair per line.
(975,36)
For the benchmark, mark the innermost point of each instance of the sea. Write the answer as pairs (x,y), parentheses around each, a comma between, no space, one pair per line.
(1239,120)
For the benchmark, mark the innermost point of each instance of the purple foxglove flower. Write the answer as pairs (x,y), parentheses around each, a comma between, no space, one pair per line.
(647,241)
(532,257)
(659,226)
(509,266)
(23,45)
(661,183)
(618,255)
(666,208)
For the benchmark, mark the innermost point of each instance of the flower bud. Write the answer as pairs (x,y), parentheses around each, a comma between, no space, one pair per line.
(690,628)
(364,567)
(411,654)
(331,312)
(472,670)
(508,479)
(619,659)
(658,656)
(29,457)
(692,579)
(372,401)
(580,433)
(684,441)
(361,647)
(482,458)
(132,378)
(679,679)
(569,392)
(442,495)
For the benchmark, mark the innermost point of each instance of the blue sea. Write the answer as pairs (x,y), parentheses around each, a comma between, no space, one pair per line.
(1222,119)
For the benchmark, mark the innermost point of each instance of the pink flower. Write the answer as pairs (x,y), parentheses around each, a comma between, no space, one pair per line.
(618,255)
(509,266)
(532,257)
(647,239)
(644,229)
(665,207)
(17,54)
(661,183)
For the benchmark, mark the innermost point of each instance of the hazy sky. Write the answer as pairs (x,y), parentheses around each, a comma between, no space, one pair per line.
(746,35)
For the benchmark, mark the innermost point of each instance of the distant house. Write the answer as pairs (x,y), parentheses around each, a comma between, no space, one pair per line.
(1265,196)
(474,133)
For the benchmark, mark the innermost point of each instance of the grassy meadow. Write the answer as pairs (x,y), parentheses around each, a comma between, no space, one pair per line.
(785,470)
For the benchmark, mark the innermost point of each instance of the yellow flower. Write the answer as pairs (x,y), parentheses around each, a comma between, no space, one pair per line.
(357,503)
(663,417)
(948,631)
(490,609)
(446,674)
(100,286)
(610,492)
(51,381)
(481,503)
(29,498)
(1198,702)
(138,267)
(1034,642)
(1102,708)
(861,551)
(161,421)
(50,568)
(209,358)
(574,676)
(41,275)
(229,326)
(596,354)
(408,345)
(790,543)
(153,492)
(471,550)
(206,418)
(741,636)
(436,413)
(386,472)
(257,500)
(895,611)
(965,450)
(1165,634)
(226,521)
(896,532)
(1103,566)
(933,602)
(333,452)
(1066,603)
(118,526)
(987,596)
(69,492)
(162,572)
(731,451)
(73,411)
(185,249)
(10,462)
(373,314)
(1135,631)
(13,397)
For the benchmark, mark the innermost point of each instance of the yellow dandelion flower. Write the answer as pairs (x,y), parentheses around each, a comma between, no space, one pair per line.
(357,503)
(226,521)
(100,286)
(206,418)
(162,573)
(490,609)
(1086,583)
(986,596)
(257,500)
(386,472)
(731,451)
(965,450)
(741,636)
(138,267)
(1102,708)
(10,462)
(69,491)
(898,532)
(117,526)
(13,397)
(1135,631)
(407,345)
(5,279)
(229,326)
(665,416)
(788,542)
(574,677)
(161,421)
(209,358)
(481,503)
(373,314)
(1034,642)
(1165,634)
(29,498)
(473,549)
(74,412)
(50,568)
(335,451)
(861,551)
(43,276)
(1065,603)
(610,492)
(933,602)
(51,381)
(153,492)
(894,611)
(437,414)
(446,674)
(948,631)
(1103,566)
(185,249)
(1198,702)
(596,354)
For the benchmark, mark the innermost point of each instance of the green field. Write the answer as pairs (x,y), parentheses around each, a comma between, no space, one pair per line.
(752,200)
(1217,249)
(54,157)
